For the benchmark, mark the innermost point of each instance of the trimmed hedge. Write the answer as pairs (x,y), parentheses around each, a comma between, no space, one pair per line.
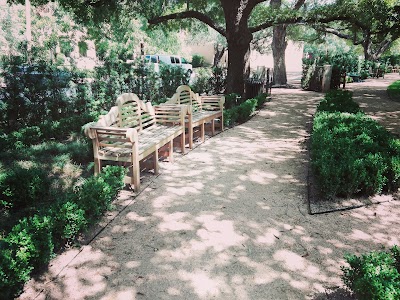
(393,91)
(351,153)
(242,112)
(375,275)
(30,244)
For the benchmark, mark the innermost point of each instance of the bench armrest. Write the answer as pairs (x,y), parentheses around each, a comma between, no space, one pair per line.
(94,131)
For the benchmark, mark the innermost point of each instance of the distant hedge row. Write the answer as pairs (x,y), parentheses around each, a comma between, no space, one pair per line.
(351,153)
(31,243)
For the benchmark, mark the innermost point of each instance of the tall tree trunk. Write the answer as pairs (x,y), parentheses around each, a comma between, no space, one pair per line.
(279,45)
(238,37)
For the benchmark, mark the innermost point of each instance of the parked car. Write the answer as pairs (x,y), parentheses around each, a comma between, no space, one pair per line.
(173,60)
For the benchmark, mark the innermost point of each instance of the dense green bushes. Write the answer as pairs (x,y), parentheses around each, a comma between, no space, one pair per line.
(30,244)
(350,152)
(375,275)
(241,112)
(393,90)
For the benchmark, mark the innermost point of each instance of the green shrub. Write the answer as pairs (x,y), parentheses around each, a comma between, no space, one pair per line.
(246,109)
(261,99)
(96,193)
(393,90)
(352,153)
(230,116)
(232,100)
(201,83)
(338,101)
(68,221)
(30,243)
(198,61)
(24,187)
(374,276)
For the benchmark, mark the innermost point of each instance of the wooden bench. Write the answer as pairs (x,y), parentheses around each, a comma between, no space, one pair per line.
(201,110)
(133,130)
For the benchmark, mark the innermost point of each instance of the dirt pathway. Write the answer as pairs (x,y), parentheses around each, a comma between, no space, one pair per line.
(229,220)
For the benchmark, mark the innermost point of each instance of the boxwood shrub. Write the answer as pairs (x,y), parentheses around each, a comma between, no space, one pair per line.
(350,152)
(30,244)
(375,275)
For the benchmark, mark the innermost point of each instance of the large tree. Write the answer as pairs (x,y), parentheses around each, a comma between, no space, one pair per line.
(228,17)
(375,25)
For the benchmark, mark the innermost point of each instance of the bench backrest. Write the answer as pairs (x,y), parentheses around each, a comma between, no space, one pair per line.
(214,102)
(185,96)
(134,113)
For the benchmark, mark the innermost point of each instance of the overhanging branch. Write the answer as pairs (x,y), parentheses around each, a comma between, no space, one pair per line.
(190,14)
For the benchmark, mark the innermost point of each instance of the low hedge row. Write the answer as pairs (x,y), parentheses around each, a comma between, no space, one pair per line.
(31,243)
(393,91)
(241,112)
(375,275)
(351,153)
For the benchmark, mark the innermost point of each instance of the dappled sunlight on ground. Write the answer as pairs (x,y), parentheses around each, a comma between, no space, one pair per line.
(229,220)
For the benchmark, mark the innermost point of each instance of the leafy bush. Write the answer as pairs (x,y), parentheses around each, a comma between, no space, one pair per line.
(246,109)
(30,243)
(201,83)
(102,188)
(240,113)
(393,90)
(261,99)
(171,78)
(232,100)
(218,80)
(21,187)
(198,61)
(374,276)
(338,101)
(68,221)
(352,153)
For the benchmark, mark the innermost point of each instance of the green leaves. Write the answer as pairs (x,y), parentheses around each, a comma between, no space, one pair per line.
(374,276)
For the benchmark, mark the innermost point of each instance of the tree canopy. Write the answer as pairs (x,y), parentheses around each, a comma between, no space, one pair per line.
(368,22)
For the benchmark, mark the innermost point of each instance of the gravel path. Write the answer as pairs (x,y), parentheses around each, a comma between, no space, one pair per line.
(230,220)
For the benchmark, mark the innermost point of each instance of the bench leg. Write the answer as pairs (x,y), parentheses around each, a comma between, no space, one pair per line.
(190,131)
(171,150)
(202,132)
(156,165)
(183,140)
(97,166)
(135,174)
(212,127)
(222,122)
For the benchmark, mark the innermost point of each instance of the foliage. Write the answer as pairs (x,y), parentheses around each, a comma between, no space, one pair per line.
(375,275)
(240,113)
(30,243)
(198,61)
(218,80)
(201,83)
(393,90)
(20,187)
(351,153)
(171,78)
(338,101)
(341,57)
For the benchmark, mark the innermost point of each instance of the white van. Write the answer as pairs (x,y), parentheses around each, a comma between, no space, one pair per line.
(173,60)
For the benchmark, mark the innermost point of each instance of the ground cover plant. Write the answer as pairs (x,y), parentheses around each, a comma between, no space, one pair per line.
(375,275)
(351,154)
(393,90)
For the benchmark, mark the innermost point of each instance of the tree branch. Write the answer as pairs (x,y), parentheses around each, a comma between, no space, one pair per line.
(190,14)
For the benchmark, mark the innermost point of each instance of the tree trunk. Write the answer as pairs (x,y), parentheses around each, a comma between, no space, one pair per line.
(238,37)
(219,51)
(279,45)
